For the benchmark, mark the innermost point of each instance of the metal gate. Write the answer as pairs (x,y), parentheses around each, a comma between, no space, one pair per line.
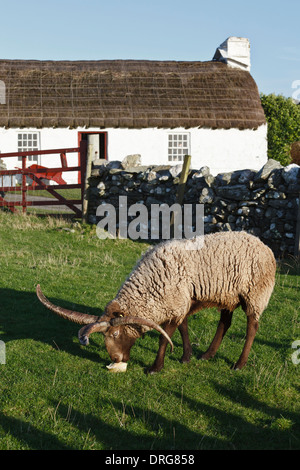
(36,174)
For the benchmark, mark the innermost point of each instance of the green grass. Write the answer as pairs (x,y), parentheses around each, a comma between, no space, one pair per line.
(66,193)
(57,394)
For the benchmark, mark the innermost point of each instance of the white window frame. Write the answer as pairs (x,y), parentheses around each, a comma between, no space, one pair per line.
(26,141)
(179,145)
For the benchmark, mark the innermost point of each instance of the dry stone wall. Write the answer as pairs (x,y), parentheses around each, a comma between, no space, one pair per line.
(263,202)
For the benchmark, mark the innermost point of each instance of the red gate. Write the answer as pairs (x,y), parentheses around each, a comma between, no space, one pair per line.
(36,173)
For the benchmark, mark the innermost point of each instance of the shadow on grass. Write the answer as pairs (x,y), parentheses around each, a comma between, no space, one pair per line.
(28,436)
(264,427)
(22,316)
(159,433)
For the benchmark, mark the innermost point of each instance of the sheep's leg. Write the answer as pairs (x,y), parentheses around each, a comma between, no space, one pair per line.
(187,347)
(159,360)
(224,324)
(252,327)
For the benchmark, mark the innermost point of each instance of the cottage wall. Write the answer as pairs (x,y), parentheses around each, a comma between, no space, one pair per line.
(220,149)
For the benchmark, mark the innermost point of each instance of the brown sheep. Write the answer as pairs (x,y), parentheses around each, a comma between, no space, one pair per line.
(176,279)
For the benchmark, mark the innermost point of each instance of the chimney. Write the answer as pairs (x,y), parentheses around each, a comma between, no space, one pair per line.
(235,52)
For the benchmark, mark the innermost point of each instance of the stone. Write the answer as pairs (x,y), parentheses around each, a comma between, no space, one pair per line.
(236,192)
(150,176)
(131,161)
(204,171)
(266,170)
(245,176)
(223,178)
(207,196)
(114,164)
(175,170)
(99,162)
(136,169)
(291,174)
(244,211)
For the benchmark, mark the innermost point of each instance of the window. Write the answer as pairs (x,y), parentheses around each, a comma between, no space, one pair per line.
(28,141)
(178,147)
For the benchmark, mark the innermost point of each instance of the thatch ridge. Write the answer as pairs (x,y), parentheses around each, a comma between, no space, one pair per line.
(128,94)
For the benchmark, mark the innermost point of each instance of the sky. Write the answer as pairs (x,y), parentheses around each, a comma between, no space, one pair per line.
(157,30)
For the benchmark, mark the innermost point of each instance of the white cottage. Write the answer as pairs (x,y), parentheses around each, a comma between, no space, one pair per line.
(161,110)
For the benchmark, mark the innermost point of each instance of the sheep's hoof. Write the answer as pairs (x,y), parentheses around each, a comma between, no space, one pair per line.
(206,356)
(238,366)
(186,359)
(153,370)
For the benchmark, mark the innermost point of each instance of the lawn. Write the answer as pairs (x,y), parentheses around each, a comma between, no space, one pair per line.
(57,394)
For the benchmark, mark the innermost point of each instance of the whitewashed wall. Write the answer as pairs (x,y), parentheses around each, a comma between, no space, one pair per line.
(221,150)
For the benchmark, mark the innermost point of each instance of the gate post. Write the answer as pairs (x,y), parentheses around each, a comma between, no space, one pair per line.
(88,171)
(24,188)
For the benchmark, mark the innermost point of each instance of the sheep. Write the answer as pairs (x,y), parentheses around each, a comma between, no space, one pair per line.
(177,278)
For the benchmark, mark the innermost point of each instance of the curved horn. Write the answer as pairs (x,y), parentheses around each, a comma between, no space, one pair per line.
(85,331)
(76,317)
(141,321)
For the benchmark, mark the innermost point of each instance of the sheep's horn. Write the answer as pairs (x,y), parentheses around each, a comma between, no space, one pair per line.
(85,331)
(141,321)
(102,327)
(76,317)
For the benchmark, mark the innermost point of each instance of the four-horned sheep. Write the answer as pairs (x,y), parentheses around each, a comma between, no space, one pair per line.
(177,278)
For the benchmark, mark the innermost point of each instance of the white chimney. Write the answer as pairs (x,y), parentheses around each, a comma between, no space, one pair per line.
(234,52)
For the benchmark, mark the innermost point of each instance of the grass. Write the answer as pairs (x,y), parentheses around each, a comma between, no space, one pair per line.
(66,193)
(56,394)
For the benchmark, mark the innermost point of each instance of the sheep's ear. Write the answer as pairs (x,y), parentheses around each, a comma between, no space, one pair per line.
(113,309)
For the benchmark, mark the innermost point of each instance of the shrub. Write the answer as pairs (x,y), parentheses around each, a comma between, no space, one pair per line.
(283,118)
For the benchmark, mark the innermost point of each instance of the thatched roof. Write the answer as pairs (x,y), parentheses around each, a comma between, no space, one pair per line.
(128,93)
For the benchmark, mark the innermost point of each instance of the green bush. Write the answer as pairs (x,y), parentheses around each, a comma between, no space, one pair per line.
(283,118)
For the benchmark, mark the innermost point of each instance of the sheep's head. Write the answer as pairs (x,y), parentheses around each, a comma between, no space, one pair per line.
(120,331)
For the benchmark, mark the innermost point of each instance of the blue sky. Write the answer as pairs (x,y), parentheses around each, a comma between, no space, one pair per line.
(157,30)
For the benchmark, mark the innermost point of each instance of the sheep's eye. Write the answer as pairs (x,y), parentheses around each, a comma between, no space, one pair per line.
(116,333)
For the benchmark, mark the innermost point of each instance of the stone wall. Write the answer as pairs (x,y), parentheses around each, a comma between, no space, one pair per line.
(263,202)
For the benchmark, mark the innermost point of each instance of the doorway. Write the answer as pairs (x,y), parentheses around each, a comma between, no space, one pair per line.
(101,146)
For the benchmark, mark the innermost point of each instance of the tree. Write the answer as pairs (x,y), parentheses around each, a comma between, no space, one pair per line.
(283,118)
